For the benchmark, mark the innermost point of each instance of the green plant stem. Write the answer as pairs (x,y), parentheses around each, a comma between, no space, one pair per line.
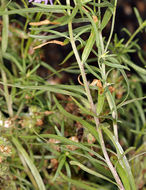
(6,94)
(81,66)
(6,91)
(99,12)
(3,49)
(114,114)
(115,126)
(112,27)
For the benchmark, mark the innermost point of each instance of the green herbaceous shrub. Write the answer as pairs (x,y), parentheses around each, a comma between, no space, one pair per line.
(78,135)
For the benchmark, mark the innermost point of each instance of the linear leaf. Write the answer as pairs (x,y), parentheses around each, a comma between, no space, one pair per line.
(135,67)
(83,122)
(89,46)
(30,164)
(106,18)
(61,164)
(131,101)
(92,172)
(114,65)
(10,57)
(66,141)
(78,183)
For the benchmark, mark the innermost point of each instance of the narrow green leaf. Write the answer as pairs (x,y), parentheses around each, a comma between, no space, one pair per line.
(49,88)
(112,103)
(140,21)
(128,87)
(70,54)
(31,10)
(114,65)
(100,102)
(107,16)
(60,166)
(88,47)
(103,4)
(131,101)
(68,171)
(52,6)
(101,164)
(112,59)
(30,164)
(85,110)
(47,66)
(122,159)
(66,141)
(78,183)
(49,37)
(83,122)
(123,176)
(139,108)
(13,59)
(92,172)
(93,71)
(30,72)
(134,66)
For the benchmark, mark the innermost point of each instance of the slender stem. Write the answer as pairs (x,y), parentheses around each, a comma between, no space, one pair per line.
(6,94)
(114,115)
(112,27)
(99,12)
(81,66)
(6,91)
(115,127)
(2,50)
(93,108)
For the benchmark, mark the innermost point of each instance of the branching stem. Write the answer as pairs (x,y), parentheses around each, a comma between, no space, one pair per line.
(93,108)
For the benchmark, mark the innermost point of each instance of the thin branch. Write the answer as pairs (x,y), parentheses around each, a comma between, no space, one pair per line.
(81,66)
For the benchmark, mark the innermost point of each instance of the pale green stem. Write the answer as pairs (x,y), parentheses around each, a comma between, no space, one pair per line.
(99,12)
(3,49)
(114,115)
(6,91)
(112,27)
(6,94)
(93,108)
